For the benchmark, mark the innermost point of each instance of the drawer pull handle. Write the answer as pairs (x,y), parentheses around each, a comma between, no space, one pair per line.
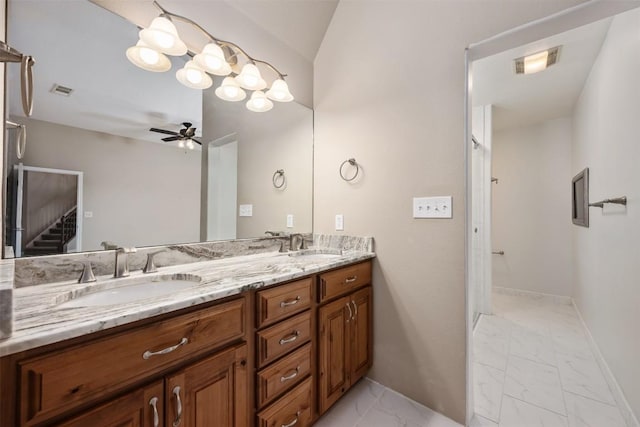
(291,338)
(176,393)
(350,312)
(294,301)
(147,354)
(156,418)
(290,376)
(294,422)
(351,279)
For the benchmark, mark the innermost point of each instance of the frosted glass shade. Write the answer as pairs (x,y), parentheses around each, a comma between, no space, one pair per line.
(193,76)
(280,91)
(212,60)
(148,59)
(259,102)
(230,90)
(163,37)
(250,78)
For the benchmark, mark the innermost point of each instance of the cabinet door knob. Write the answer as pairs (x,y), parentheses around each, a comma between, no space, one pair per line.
(154,404)
(176,393)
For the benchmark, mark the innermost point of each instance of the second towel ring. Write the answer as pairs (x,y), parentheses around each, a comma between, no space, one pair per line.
(278,178)
(352,162)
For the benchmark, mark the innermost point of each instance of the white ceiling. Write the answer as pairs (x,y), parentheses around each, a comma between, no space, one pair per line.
(520,100)
(300,24)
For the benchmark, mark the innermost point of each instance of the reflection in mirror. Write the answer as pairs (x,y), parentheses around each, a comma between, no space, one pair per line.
(94,177)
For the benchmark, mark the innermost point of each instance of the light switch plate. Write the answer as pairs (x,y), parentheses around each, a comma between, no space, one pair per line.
(432,207)
(289,221)
(88,214)
(245,210)
(339,222)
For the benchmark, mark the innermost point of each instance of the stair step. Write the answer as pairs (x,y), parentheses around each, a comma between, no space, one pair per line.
(51,236)
(41,251)
(46,243)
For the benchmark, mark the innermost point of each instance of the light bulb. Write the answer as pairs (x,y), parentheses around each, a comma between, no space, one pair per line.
(194,76)
(212,60)
(250,78)
(164,40)
(259,102)
(149,56)
(280,91)
(190,144)
(163,36)
(230,91)
(181,144)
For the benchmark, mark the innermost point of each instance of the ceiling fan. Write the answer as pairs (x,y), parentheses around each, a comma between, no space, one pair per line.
(185,136)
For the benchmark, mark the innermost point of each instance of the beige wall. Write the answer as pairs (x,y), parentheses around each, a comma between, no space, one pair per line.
(389,91)
(531,216)
(607,253)
(140,193)
(278,139)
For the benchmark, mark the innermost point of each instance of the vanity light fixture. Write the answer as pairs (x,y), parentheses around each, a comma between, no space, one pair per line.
(537,62)
(218,57)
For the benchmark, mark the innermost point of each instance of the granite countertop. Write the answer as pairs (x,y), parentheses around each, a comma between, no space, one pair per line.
(40,318)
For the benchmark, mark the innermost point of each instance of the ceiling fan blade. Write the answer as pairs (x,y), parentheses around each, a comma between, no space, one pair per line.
(168,132)
(171,138)
(196,141)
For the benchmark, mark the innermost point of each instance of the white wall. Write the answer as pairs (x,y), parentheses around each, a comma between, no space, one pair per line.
(607,290)
(532,208)
(141,193)
(389,85)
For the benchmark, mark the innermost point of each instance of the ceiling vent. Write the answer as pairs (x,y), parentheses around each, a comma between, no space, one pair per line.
(538,61)
(61,90)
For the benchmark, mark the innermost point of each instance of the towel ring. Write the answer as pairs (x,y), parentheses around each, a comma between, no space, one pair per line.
(352,162)
(278,176)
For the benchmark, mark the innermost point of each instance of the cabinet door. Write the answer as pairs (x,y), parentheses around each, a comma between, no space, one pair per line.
(141,408)
(212,392)
(361,333)
(334,355)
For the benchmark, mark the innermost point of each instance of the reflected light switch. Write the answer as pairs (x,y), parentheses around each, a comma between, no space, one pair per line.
(245,210)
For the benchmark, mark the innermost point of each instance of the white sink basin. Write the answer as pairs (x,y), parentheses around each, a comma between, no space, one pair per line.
(129,293)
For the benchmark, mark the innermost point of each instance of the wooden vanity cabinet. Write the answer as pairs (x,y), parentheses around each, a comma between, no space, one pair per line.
(345,336)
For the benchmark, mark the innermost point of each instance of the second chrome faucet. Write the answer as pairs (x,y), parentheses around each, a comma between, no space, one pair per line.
(122,262)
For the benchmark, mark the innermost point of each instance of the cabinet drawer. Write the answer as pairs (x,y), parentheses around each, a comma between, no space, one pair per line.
(54,383)
(294,408)
(283,375)
(342,281)
(279,339)
(282,301)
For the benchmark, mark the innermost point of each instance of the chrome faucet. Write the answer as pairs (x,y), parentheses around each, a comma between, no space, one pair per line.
(122,262)
(296,242)
(150,266)
(87,273)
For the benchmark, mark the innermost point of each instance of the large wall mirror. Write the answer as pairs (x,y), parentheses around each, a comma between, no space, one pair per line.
(94,177)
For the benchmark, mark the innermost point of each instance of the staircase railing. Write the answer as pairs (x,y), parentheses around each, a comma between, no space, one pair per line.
(68,221)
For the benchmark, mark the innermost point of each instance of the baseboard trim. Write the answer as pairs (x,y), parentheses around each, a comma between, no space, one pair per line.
(618,395)
(535,295)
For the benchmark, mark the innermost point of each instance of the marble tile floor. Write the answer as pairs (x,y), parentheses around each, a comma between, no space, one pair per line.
(533,366)
(369,404)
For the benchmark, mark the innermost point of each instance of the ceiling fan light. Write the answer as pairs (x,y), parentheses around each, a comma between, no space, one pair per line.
(250,78)
(259,103)
(229,90)
(163,37)
(280,91)
(181,143)
(212,60)
(147,58)
(190,144)
(193,76)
